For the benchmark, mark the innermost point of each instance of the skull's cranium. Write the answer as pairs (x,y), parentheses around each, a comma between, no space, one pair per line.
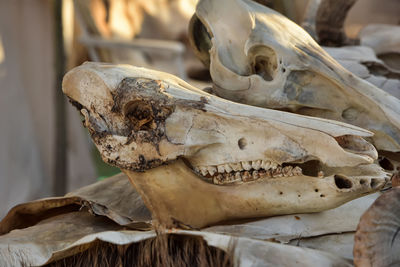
(258,57)
(235,161)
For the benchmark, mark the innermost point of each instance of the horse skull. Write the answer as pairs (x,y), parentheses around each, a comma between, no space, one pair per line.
(234,161)
(257,56)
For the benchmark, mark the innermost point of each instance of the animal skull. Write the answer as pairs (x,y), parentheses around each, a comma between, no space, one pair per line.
(257,56)
(235,161)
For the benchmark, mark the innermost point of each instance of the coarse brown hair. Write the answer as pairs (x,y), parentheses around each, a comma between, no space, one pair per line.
(161,251)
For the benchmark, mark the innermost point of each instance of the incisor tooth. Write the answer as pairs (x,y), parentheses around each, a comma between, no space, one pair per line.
(246,165)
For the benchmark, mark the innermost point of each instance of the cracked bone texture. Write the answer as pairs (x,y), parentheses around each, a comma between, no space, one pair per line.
(259,57)
(140,119)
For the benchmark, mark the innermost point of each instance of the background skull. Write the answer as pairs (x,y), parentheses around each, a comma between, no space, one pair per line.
(258,57)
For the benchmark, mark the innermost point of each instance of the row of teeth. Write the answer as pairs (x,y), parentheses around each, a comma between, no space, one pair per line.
(246,171)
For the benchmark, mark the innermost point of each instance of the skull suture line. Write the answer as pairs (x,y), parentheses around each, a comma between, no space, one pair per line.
(257,56)
(234,161)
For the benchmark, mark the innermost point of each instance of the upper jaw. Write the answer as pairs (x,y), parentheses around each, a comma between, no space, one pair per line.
(204,129)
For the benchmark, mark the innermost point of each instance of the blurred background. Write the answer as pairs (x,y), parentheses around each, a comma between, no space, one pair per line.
(45,151)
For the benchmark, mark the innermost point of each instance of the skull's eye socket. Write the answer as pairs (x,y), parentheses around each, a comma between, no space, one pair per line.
(140,114)
(264,62)
(200,40)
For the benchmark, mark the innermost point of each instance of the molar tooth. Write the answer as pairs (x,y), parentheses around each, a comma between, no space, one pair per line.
(238,176)
(297,171)
(273,165)
(265,164)
(255,175)
(277,172)
(215,180)
(221,168)
(227,168)
(196,169)
(246,165)
(246,176)
(256,164)
(203,170)
(287,171)
(236,166)
(212,170)
(218,179)
(266,173)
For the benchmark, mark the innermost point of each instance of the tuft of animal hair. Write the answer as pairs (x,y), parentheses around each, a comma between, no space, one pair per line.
(170,250)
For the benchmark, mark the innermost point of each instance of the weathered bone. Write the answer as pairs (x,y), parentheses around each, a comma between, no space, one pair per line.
(362,61)
(264,59)
(42,244)
(140,119)
(385,40)
(337,244)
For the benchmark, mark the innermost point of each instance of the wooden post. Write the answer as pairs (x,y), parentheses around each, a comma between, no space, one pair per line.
(330,19)
(60,148)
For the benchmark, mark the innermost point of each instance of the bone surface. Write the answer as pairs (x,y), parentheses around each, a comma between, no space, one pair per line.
(42,243)
(264,59)
(385,40)
(291,228)
(272,162)
(362,61)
